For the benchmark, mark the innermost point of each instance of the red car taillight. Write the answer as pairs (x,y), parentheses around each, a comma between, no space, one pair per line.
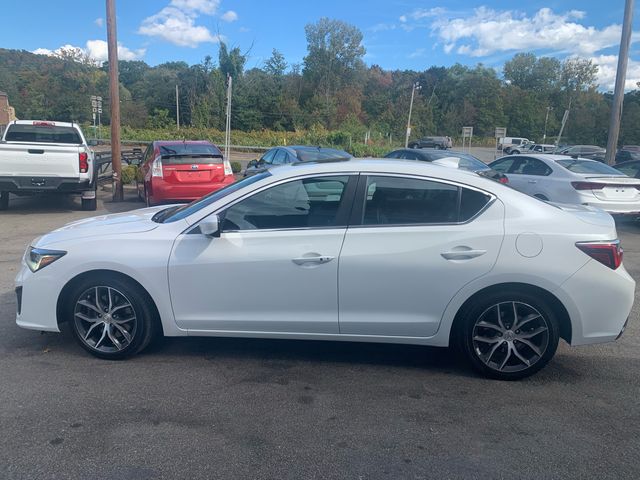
(503,179)
(607,253)
(588,185)
(83,162)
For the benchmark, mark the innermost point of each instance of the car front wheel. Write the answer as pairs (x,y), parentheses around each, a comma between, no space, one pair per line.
(110,316)
(509,336)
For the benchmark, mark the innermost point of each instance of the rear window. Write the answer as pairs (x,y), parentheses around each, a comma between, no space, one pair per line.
(43,134)
(190,153)
(587,166)
(315,154)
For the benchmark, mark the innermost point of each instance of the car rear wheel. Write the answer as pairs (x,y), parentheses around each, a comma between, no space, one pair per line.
(111,317)
(509,335)
(4,200)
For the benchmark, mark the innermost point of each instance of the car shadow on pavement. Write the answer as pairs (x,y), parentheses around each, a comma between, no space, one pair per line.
(42,204)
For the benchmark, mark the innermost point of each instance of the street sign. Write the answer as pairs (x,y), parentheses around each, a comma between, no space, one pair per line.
(100,110)
(501,132)
(467,132)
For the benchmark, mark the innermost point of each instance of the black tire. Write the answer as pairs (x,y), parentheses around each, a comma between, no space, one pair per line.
(483,357)
(89,204)
(141,330)
(4,200)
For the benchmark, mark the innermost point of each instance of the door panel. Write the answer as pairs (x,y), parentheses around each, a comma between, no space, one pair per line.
(397,280)
(250,281)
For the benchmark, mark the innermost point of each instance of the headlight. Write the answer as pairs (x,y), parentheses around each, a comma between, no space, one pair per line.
(38,258)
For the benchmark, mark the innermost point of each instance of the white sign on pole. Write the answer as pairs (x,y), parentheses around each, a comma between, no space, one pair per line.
(467,133)
(501,132)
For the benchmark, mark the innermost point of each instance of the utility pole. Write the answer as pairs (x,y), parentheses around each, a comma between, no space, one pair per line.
(414,87)
(177,109)
(227,135)
(114,94)
(618,93)
(546,119)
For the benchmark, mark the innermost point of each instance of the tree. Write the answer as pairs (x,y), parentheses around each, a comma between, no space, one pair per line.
(231,61)
(276,64)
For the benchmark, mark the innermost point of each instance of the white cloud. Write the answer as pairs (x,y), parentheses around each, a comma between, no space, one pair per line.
(382,27)
(96,50)
(229,16)
(488,31)
(99,22)
(607,66)
(176,23)
(417,53)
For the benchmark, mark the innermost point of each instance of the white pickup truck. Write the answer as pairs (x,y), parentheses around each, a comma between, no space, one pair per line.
(46,157)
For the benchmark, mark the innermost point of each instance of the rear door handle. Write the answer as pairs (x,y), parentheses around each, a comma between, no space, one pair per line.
(532,181)
(462,254)
(315,259)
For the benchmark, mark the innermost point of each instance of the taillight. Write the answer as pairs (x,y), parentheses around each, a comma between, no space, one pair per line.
(607,253)
(503,179)
(588,185)
(156,167)
(83,162)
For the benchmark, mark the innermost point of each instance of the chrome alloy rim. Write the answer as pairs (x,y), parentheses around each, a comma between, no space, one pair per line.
(510,336)
(105,319)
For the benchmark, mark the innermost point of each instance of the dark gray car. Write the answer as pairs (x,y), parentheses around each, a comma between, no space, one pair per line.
(291,154)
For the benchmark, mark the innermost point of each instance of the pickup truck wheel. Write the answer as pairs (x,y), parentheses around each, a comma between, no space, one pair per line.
(89,204)
(4,200)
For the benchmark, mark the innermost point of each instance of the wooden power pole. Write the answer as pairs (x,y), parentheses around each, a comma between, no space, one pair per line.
(621,75)
(114,94)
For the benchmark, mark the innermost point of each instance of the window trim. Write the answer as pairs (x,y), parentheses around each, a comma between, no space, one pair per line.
(342,217)
(357,211)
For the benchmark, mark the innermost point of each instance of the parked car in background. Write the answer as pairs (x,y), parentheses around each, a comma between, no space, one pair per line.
(292,154)
(579,150)
(441,143)
(631,148)
(395,252)
(624,155)
(631,169)
(533,148)
(562,179)
(46,157)
(182,171)
(466,161)
(506,143)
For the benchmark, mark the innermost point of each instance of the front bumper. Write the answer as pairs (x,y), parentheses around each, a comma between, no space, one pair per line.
(37,300)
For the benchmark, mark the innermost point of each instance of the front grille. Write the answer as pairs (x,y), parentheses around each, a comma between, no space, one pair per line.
(19,298)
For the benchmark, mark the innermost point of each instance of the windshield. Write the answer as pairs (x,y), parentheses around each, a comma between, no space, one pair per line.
(310,154)
(173,214)
(45,133)
(588,166)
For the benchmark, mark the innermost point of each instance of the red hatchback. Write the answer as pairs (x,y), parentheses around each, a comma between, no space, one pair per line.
(182,171)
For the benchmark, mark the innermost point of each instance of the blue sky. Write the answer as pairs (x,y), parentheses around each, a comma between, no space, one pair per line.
(404,34)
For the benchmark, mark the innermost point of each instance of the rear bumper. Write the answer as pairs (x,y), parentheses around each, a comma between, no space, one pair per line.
(599,317)
(167,192)
(44,185)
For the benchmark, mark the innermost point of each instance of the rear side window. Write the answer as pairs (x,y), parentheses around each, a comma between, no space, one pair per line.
(43,134)
(530,166)
(190,153)
(408,201)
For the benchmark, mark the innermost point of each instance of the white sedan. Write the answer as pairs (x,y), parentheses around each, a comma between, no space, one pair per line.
(563,179)
(358,250)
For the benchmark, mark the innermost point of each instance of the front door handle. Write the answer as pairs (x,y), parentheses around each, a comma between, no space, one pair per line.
(467,254)
(532,181)
(314,259)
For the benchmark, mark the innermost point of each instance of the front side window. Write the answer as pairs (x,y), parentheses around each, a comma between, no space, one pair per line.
(280,157)
(268,157)
(503,165)
(303,203)
(408,201)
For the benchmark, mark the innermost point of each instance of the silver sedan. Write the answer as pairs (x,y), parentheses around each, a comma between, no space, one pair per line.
(563,179)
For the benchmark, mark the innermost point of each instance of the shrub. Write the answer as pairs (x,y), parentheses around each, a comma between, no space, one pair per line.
(236,167)
(129,174)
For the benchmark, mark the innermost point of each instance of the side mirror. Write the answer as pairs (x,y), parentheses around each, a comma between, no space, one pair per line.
(210,226)
(252,164)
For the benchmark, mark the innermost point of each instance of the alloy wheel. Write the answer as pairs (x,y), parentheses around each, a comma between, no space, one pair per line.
(510,336)
(105,319)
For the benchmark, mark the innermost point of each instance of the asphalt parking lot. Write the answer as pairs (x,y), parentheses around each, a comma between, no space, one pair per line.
(205,408)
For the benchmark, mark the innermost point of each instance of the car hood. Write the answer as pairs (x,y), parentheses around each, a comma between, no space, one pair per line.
(135,221)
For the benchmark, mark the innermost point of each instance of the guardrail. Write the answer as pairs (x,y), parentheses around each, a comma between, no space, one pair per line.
(221,146)
(103,162)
